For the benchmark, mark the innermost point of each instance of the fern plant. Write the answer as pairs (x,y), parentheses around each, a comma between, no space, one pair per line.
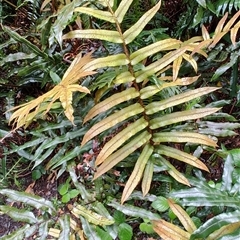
(223,195)
(138,102)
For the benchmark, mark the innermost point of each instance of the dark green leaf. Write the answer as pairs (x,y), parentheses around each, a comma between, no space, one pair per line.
(36,174)
(221,70)
(198,17)
(56,79)
(33,143)
(21,39)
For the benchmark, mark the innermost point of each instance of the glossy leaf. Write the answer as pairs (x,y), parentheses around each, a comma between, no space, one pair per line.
(122,9)
(179,137)
(133,211)
(89,229)
(223,68)
(110,102)
(182,216)
(38,160)
(218,125)
(112,120)
(64,222)
(104,234)
(122,153)
(181,116)
(202,3)
(228,169)
(130,34)
(181,156)
(63,17)
(169,231)
(19,38)
(19,215)
(16,57)
(137,172)
(120,138)
(215,224)
(160,204)
(206,196)
(107,35)
(223,231)
(103,15)
(218,132)
(51,142)
(101,209)
(32,200)
(178,99)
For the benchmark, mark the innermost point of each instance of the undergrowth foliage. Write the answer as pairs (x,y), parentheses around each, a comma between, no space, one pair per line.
(141,101)
(143,113)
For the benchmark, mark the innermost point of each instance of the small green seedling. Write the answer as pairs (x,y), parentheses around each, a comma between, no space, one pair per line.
(66,192)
